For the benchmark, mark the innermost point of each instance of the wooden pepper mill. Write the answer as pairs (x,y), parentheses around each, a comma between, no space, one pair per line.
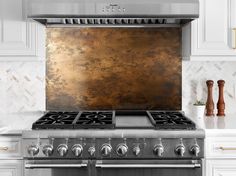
(221,103)
(210,103)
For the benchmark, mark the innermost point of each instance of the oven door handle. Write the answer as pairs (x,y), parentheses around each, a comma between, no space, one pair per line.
(186,166)
(46,166)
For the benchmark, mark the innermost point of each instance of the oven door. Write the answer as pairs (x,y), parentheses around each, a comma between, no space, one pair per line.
(56,168)
(149,168)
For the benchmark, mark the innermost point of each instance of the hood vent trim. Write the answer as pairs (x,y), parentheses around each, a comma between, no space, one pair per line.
(112,22)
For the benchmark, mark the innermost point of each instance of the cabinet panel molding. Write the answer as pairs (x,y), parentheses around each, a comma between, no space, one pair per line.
(18,38)
(220,167)
(11,168)
(211,37)
(211,33)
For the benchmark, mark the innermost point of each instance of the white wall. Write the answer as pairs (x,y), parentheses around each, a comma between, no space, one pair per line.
(194,73)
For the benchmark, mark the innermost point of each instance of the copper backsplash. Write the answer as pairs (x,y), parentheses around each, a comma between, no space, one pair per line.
(113,68)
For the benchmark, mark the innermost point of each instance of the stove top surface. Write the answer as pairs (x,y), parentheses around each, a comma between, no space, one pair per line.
(166,120)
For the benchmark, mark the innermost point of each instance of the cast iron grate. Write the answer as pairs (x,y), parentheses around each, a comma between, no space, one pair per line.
(170,120)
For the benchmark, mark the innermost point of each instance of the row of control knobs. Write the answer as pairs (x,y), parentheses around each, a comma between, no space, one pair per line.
(106,149)
(62,150)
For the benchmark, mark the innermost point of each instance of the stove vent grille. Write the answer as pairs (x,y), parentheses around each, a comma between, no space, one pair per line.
(112,22)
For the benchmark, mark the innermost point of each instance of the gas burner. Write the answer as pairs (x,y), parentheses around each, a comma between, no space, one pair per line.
(56,120)
(170,120)
(96,119)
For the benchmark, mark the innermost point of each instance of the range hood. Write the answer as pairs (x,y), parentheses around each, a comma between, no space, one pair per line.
(112,13)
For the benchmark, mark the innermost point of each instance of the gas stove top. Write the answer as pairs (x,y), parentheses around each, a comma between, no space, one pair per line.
(113,135)
(108,120)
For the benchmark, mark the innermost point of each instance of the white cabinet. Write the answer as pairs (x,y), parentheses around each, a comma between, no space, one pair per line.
(19,38)
(11,168)
(11,163)
(221,147)
(220,154)
(220,167)
(211,35)
(10,147)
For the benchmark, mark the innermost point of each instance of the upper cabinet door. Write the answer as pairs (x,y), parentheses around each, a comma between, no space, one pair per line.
(213,33)
(17,37)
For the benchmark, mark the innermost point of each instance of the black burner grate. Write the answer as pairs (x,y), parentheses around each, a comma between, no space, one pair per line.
(96,119)
(76,120)
(170,120)
(56,120)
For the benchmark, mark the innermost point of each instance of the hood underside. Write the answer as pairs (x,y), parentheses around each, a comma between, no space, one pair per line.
(112,13)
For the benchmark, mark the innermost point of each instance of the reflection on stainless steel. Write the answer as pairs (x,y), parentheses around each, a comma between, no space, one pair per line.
(195,149)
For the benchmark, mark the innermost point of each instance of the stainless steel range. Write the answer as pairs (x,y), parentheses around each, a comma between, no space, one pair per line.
(115,143)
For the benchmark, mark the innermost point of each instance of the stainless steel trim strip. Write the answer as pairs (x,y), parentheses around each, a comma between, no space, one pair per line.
(190,166)
(117,133)
(45,166)
(110,25)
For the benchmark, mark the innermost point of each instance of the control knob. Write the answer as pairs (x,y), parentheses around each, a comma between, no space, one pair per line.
(195,150)
(33,150)
(180,150)
(136,150)
(91,151)
(48,150)
(62,149)
(122,149)
(106,149)
(158,150)
(77,149)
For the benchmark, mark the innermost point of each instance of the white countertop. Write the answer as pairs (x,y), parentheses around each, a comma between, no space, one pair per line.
(15,123)
(227,122)
(218,126)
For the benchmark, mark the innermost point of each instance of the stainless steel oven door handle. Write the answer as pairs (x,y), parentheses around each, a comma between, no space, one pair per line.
(46,166)
(190,166)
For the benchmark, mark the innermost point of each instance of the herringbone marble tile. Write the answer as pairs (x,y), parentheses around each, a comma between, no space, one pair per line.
(194,76)
(22,86)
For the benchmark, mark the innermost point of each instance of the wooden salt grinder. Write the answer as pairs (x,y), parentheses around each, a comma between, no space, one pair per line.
(221,103)
(210,103)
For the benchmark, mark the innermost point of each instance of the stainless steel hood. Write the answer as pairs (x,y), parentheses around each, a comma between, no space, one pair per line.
(112,13)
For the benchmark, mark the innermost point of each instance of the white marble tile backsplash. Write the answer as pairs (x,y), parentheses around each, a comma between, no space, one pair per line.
(194,76)
(22,86)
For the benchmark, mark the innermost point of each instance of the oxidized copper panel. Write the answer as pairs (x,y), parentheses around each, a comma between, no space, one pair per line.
(113,68)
